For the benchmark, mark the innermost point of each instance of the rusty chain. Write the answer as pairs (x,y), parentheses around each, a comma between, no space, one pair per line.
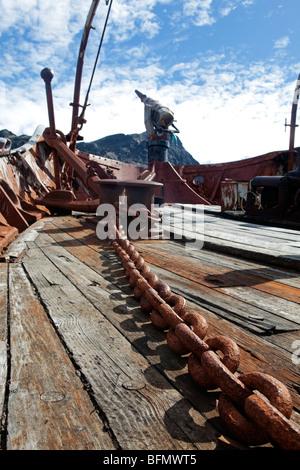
(252,418)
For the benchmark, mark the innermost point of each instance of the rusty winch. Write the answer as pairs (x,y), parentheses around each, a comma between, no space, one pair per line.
(278,197)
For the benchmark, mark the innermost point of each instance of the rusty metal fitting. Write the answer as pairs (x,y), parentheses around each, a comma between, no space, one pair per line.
(124,242)
(178,303)
(163,308)
(122,253)
(127,273)
(134,256)
(145,305)
(243,428)
(140,287)
(226,380)
(140,263)
(145,270)
(133,277)
(152,279)
(130,249)
(175,343)
(196,323)
(199,374)
(229,349)
(163,290)
(249,417)
(157,320)
(231,359)
(128,264)
(153,298)
(124,258)
(193,343)
(119,250)
(169,315)
(274,390)
(281,430)
(129,267)
(239,425)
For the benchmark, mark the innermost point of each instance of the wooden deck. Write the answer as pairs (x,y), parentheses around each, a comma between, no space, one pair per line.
(82,367)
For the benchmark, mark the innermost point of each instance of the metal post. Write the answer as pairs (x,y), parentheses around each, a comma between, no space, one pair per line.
(47,75)
(157,150)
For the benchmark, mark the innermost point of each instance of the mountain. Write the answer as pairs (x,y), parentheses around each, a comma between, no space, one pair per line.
(125,148)
(17,140)
(131,148)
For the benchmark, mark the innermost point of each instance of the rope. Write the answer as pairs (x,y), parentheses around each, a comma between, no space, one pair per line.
(97,58)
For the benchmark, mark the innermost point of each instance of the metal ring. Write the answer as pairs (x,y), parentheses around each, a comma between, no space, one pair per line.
(239,425)
(271,388)
(157,320)
(194,344)
(225,379)
(152,279)
(245,429)
(231,359)
(196,322)
(178,303)
(280,429)
(229,348)
(145,305)
(141,285)
(163,289)
(140,263)
(175,343)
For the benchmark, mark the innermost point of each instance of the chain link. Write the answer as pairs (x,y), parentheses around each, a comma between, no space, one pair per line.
(251,418)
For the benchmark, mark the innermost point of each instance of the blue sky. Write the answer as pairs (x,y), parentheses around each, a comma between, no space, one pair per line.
(226,68)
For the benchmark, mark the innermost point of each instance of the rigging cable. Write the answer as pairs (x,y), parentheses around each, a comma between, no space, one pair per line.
(96,61)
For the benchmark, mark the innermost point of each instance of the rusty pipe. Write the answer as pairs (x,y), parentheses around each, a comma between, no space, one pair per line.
(47,75)
(55,141)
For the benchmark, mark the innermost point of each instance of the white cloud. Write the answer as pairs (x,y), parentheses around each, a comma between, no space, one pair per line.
(200,10)
(135,16)
(282,42)
(225,110)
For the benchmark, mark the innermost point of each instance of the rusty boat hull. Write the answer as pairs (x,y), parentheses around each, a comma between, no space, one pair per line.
(28,186)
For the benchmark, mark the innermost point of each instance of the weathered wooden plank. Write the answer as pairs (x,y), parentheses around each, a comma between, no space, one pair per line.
(18,246)
(256,352)
(253,229)
(241,286)
(228,238)
(227,277)
(262,272)
(163,248)
(215,262)
(248,317)
(3,335)
(167,250)
(230,272)
(242,232)
(137,408)
(48,408)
